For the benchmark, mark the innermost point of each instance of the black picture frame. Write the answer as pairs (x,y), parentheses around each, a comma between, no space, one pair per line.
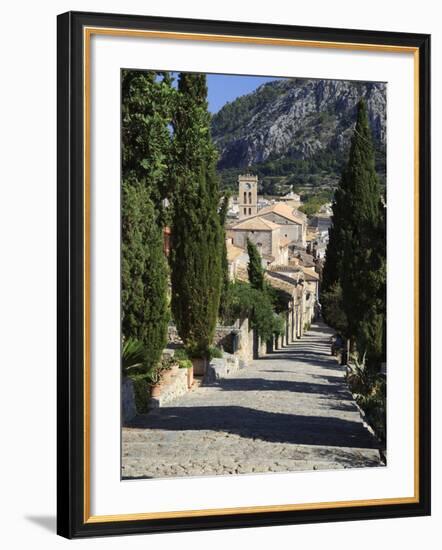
(72,518)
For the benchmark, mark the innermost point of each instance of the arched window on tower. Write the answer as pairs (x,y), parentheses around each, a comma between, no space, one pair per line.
(250,211)
(250,197)
(245,197)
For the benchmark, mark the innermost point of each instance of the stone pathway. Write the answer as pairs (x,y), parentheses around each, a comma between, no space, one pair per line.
(289,411)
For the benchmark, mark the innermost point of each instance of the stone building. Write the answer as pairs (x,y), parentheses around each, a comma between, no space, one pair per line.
(265,234)
(247,195)
(293,223)
(236,258)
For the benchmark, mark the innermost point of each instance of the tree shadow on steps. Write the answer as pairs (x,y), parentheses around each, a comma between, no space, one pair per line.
(331,390)
(262,425)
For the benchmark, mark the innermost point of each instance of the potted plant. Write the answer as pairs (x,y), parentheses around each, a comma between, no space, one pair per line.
(163,374)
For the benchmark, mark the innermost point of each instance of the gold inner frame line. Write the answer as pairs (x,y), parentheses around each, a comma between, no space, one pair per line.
(87,34)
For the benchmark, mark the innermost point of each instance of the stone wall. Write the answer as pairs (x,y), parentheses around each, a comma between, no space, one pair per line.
(244,349)
(265,238)
(224,337)
(219,368)
(289,230)
(237,340)
(177,387)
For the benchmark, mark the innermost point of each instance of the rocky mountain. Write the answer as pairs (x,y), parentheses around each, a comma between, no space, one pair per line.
(297,119)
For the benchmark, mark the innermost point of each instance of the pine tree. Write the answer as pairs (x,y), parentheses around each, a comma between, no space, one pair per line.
(146,147)
(254,267)
(197,235)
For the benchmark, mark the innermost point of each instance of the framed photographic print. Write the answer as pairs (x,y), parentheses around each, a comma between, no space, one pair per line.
(243,274)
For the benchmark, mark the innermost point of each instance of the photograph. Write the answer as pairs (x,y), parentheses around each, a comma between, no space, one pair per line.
(253,274)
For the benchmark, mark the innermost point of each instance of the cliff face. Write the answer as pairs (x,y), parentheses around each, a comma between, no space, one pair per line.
(295,118)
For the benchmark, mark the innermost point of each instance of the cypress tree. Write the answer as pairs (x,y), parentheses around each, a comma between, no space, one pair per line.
(147,103)
(355,259)
(197,235)
(331,288)
(225,280)
(254,267)
(144,271)
(362,263)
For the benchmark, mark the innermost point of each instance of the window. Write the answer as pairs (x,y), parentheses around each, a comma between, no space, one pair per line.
(250,211)
(250,197)
(245,197)
(245,211)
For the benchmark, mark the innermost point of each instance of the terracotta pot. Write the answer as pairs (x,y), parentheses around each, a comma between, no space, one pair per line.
(168,374)
(199,366)
(155,390)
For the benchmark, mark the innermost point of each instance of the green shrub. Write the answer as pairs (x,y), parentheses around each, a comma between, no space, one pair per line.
(278,325)
(180,353)
(370,391)
(141,383)
(374,407)
(185,363)
(214,352)
(257,305)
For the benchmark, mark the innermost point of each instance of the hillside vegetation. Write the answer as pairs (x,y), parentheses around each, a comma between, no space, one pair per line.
(296,132)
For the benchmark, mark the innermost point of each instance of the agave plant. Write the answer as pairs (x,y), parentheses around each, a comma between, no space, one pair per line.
(358,376)
(132,356)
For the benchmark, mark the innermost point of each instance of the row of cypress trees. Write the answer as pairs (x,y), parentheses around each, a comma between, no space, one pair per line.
(354,276)
(167,153)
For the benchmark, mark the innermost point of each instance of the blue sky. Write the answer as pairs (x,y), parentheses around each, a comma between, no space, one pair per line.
(223,88)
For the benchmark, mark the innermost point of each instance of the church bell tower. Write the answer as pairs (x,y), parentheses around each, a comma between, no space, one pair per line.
(248,195)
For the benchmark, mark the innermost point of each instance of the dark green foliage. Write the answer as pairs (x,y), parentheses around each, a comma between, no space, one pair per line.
(133,356)
(197,237)
(370,390)
(312,202)
(355,258)
(256,305)
(183,359)
(374,405)
(144,272)
(363,263)
(141,384)
(254,267)
(279,298)
(225,279)
(332,308)
(232,117)
(214,353)
(278,325)
(147,105)
(146,111)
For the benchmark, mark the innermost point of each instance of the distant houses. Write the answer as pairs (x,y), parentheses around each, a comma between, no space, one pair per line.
(287,244)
